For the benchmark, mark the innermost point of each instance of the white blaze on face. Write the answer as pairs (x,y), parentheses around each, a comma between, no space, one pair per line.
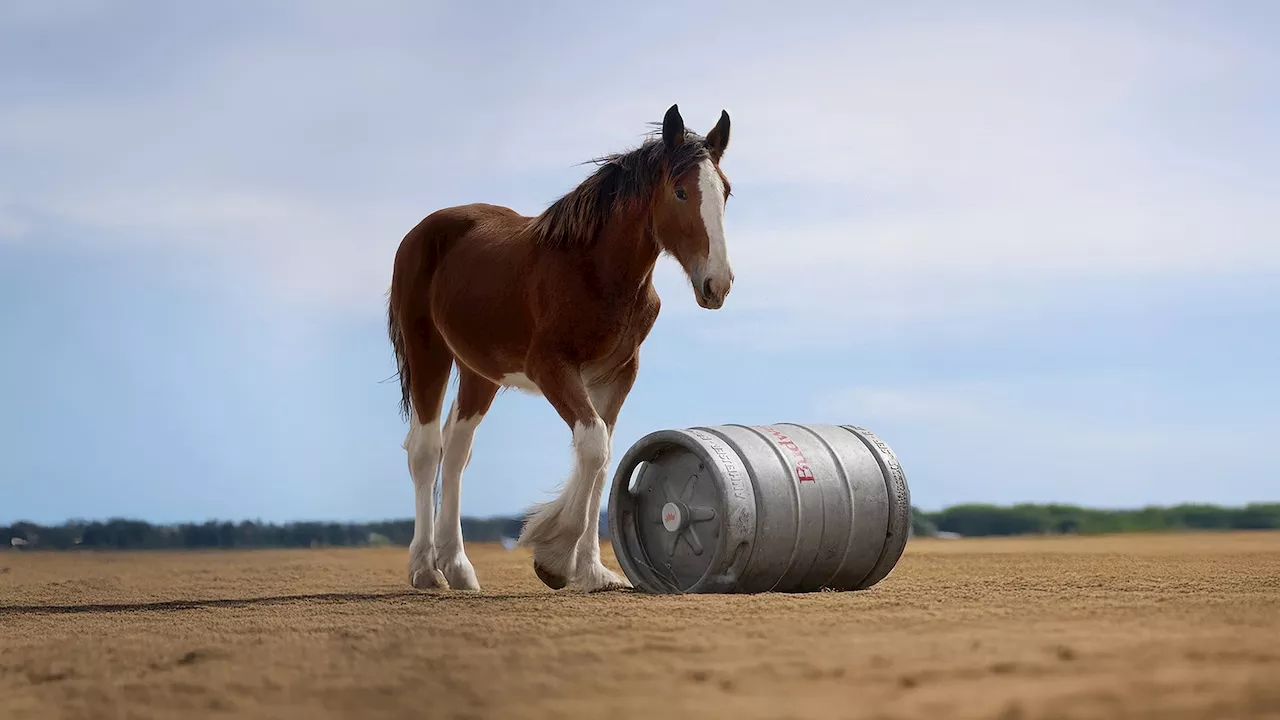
(711,186)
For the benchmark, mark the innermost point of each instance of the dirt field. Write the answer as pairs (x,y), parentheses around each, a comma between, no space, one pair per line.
(1129,626)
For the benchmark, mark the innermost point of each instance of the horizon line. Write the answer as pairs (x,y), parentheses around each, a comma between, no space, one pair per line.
(604,512)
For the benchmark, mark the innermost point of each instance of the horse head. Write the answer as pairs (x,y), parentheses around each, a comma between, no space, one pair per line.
(688,210)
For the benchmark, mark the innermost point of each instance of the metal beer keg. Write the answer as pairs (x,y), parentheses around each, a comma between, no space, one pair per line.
(736,508)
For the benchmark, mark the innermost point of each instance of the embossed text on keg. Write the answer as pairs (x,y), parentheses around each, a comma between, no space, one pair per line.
(730,468)
(890,458)
(804,473)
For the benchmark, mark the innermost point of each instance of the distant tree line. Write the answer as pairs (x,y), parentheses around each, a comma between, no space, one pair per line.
(125,534)
(967,520)
(980,520)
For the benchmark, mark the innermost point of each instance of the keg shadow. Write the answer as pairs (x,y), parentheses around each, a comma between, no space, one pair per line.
(170,606)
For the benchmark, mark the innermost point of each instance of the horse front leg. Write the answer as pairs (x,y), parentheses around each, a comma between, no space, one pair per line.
(555,529)
(607,398)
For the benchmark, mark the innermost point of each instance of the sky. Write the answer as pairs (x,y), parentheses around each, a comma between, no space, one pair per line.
(1034,247)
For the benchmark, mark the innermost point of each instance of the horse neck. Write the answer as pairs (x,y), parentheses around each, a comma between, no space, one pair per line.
(626,253)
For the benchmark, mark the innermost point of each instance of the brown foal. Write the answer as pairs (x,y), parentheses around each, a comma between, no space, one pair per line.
(557,305)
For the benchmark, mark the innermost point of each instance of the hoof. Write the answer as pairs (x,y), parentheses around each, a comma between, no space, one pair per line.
(602,579)
(431,579)
(550,579)
(612,587)
(460,575)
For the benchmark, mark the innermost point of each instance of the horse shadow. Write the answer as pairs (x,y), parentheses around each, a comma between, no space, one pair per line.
(177,606)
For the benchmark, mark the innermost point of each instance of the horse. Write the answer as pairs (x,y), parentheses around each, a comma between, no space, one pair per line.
(558,305)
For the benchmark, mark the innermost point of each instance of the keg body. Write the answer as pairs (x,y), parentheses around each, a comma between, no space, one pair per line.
(738,508)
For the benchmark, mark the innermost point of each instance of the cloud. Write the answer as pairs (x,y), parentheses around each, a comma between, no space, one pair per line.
(295,250)
(933,254)
(924,167)
(1109,440)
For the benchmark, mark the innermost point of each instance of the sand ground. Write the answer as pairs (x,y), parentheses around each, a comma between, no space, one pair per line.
(1160,626)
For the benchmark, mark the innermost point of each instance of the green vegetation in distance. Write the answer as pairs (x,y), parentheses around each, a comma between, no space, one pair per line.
(965,520)
(983,520)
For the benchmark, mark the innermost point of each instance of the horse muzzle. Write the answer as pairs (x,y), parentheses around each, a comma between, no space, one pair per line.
(710,291)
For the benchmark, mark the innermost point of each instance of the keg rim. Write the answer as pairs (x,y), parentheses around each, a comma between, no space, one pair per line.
(624,538)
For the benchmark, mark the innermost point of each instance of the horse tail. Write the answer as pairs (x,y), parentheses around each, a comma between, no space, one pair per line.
(415,263)
(414,337)
(402,362)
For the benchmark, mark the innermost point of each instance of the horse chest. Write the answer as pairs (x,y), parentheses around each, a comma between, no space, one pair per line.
(624,326)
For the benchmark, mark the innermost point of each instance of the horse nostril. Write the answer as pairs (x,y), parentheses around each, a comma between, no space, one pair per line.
(706,288)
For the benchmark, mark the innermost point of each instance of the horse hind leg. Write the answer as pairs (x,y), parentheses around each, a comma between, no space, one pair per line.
(430,362)
(475,395)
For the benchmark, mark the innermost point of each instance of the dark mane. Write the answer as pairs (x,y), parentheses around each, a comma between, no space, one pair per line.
(625,180)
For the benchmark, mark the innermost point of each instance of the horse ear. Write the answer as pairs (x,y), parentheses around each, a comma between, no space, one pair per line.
(673,128)
(718,138)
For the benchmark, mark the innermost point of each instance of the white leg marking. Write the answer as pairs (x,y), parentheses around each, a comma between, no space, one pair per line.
(556,527)
(423,447)
(711,187)
(591,573)
(591,445)
(453,562)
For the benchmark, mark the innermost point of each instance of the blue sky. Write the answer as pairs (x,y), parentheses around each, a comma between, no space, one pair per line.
(1035,248)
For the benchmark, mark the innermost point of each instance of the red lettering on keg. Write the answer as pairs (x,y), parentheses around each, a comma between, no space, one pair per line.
(804,473)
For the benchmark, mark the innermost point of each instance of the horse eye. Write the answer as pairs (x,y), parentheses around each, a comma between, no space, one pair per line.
(681,194)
